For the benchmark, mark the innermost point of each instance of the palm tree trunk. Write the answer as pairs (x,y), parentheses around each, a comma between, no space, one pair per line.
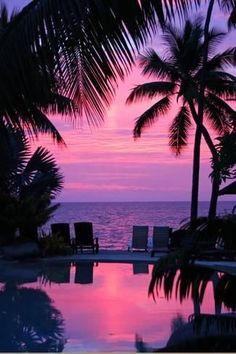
(195,175)
(211,146)
(214,197)
(197,143)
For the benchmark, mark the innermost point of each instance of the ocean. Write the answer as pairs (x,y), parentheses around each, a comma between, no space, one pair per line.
(113,221)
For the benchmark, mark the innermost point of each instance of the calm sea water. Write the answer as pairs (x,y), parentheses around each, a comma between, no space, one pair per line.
(113,222)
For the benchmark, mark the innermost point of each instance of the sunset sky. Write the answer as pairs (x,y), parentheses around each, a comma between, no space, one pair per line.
(106,164)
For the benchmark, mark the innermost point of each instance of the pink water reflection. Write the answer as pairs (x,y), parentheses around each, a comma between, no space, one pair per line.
(106,314)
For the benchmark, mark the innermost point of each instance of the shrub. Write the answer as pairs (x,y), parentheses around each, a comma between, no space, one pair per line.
(53,245)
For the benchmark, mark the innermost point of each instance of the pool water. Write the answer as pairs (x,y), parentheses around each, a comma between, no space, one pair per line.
(86,307)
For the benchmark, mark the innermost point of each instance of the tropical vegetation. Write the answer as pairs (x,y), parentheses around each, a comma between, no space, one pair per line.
(78,50)
(31,321)
(225,166)
(28,185)
(178,79)
(67,59)
(202,331)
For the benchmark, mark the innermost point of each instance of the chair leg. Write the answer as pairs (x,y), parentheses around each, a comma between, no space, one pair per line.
(96,245)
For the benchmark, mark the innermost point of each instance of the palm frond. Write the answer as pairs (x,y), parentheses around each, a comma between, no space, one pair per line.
(229,7)
(42,161)
(215,37)
(232,19)
(151,115)
(179,7)
(218,113)
(184,6)
(222,60)
(181,39)
(152,64)
(83,45)
(15,151)
(150,90)
(221,85)
(179,129)
(41,177)
(184,46)
(34,121)
(80,47)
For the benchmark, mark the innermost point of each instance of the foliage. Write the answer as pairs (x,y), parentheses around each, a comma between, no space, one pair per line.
(219,231)
(176,270)
(31,322)
(226,148)
(78,51)
(26,108)
(71,56)
(226,291)
(52,245)
(190,72)
(28,185)
(178,75)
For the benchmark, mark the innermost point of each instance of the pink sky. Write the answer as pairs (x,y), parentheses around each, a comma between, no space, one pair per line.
(106,164)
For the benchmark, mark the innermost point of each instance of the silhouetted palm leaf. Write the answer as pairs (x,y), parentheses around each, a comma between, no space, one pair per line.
(219,113)
(152,64)
(151,115)
(182,66)
(179,130)
(79,49)
(150,90)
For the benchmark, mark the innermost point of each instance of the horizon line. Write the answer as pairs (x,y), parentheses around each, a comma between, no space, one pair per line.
(140,201)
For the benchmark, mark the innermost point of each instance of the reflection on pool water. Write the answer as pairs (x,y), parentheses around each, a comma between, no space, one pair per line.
(88,307)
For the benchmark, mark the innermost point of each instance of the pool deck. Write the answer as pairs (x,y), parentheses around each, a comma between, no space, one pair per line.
(118,256)
(133,257)
(113,256)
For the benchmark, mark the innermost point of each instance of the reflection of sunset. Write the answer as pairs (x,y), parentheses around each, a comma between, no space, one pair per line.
(116,306)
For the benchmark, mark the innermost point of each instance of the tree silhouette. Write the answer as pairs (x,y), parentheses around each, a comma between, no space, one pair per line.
(30,321)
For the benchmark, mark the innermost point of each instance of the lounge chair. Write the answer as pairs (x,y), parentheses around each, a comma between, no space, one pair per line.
(62,230)
(139,239)
(56,273)
(84,239)
(84,273)
(160,239)
(140,268)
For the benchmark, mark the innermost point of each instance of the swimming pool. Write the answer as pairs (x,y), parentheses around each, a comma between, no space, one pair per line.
(88,307)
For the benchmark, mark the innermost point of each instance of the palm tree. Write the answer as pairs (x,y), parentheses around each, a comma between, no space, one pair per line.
(228,6)
(52,51)
(28,185)
(179,75)
(31,322)
(77,50)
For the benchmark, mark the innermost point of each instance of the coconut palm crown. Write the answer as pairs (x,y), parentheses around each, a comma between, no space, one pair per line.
(178,73)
